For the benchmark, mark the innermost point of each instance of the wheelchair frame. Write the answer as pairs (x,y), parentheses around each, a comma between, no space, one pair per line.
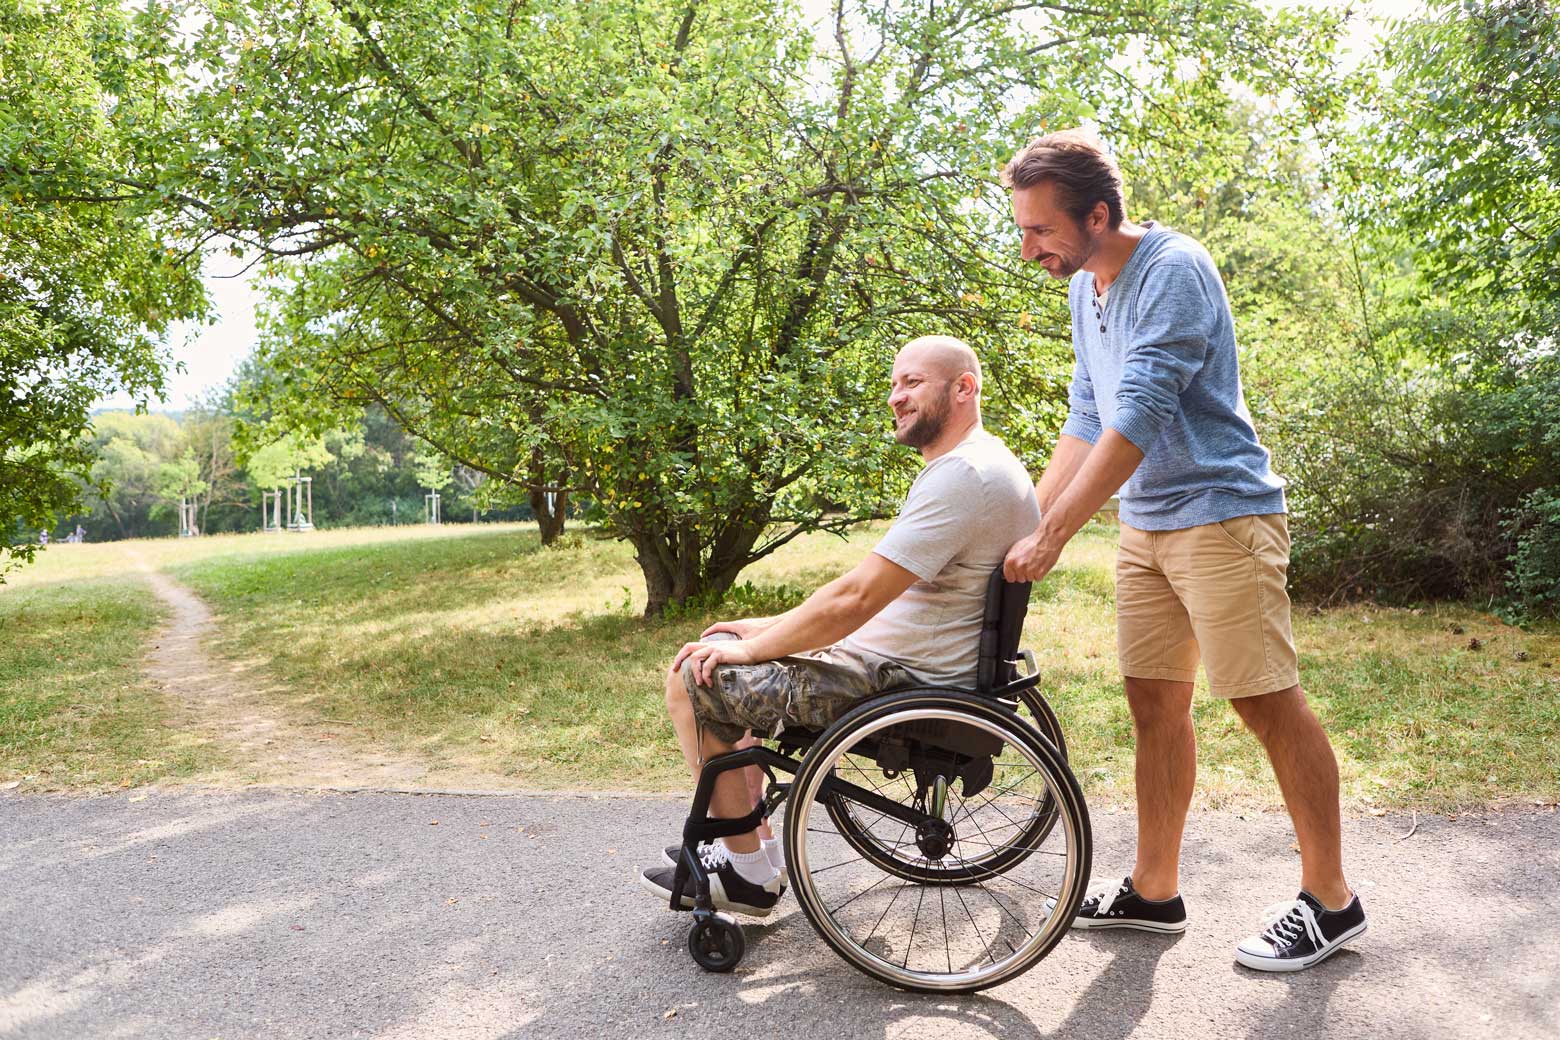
(716,941)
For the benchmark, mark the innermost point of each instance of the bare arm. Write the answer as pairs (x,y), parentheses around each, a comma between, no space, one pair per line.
(829,615)
(1099,474)
(1065,462)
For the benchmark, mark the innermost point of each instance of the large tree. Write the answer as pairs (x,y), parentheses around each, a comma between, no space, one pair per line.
(657,253)
(88,285)
(1434,467)
(139,462)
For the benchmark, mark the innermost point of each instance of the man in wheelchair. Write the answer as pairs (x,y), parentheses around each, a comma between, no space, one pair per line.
(907,615)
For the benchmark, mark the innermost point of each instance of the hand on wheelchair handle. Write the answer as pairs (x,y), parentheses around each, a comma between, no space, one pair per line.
(1029,559)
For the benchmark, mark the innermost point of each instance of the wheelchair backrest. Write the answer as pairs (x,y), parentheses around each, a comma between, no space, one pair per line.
(1007,602)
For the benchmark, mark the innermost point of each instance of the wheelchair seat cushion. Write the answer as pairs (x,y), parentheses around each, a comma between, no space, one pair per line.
(808,691)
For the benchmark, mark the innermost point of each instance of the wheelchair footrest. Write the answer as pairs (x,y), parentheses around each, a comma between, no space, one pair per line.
(706,829)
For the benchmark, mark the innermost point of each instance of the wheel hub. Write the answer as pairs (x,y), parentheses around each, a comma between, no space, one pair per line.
(934,837)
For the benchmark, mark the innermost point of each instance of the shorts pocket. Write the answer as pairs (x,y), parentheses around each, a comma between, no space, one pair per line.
(1241,532)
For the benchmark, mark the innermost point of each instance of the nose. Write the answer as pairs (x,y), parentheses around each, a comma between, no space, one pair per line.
(896,397)
(1031,246)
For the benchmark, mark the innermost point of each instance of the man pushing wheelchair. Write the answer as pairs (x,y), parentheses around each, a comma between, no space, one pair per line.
(1156,409)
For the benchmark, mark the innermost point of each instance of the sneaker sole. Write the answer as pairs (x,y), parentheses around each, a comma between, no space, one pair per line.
(1136,925)
(665,896)
(660,893)
(1256,963)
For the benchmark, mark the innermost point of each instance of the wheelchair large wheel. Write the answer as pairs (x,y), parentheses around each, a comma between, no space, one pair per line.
(1043,719)
(886,844)
(942,920)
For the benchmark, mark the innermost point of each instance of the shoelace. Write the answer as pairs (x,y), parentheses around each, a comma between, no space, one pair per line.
(1286,921)
(1106,891)
(714,855)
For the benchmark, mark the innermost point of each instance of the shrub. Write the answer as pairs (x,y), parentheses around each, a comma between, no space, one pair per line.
(1535,566)
(1428,477)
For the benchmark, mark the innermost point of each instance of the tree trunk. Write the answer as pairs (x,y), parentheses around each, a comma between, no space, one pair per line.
(550,520)
(676,570)
(670,581)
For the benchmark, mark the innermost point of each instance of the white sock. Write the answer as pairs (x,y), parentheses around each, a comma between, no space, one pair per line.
(753,866)
(776,854)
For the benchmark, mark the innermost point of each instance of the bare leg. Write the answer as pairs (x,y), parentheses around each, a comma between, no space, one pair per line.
(730,799)
(1307,774)
(756,782)
(1166,772)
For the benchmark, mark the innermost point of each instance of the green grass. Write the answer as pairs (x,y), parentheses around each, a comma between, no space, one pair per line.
(475,652)
(479,651)
(74,709)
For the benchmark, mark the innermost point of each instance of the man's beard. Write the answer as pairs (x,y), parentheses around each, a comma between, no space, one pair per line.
(927,427)
(1072,263)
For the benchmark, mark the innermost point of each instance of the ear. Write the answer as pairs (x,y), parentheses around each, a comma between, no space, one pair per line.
(1099,217)
(964,386)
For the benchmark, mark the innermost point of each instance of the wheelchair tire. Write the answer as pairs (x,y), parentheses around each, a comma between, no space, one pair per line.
(1044,719)
(970,869)
(988,934)
(716,943)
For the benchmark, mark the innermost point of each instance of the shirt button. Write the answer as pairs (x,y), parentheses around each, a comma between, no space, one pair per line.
(1102,328)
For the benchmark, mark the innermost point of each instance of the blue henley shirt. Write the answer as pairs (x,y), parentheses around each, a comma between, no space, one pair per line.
(1164,374)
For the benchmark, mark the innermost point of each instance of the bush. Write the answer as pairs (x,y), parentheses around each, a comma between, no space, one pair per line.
(1535,566)
(1431,476)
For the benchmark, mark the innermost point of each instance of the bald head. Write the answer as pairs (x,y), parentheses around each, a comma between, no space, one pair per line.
(940,356)
(935,394)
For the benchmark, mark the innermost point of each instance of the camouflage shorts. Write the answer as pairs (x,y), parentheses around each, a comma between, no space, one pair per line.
(808,690)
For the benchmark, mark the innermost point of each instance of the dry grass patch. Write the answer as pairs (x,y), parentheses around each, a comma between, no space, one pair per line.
(75,710)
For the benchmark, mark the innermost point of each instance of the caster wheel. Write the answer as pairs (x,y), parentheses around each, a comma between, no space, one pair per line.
(716,943)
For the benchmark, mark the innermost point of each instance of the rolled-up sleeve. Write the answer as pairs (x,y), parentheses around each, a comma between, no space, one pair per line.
(1083,416)
(1167,345)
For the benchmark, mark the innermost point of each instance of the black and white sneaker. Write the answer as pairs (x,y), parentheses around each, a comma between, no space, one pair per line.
(728,889)
(1300,932)
(671,853)
(1109,903)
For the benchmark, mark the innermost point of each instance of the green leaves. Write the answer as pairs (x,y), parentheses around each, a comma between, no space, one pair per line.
(88,286)
(662,255)
(1470,139)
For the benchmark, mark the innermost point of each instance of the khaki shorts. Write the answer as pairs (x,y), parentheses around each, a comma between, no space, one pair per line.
(1217,589)
(808,690)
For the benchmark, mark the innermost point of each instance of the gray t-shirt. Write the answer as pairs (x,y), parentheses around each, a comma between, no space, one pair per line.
(963,513)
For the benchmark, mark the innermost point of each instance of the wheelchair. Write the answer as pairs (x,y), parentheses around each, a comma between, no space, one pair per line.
(935,837)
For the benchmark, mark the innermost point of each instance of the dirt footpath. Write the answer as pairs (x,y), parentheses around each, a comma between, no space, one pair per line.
(273,914)
(237,709)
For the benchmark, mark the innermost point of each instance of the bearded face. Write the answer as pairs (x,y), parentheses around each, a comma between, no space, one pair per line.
(1052,237)
(920,419)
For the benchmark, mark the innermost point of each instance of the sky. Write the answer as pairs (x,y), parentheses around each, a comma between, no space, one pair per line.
(206,356)
(209,354)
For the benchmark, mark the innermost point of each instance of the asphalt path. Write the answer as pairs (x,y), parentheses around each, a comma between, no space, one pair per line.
(215,915)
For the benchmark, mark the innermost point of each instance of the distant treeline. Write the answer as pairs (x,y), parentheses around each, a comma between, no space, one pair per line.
(369,474)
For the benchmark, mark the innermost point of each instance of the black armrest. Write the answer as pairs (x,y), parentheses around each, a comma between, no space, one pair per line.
(1026,682)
